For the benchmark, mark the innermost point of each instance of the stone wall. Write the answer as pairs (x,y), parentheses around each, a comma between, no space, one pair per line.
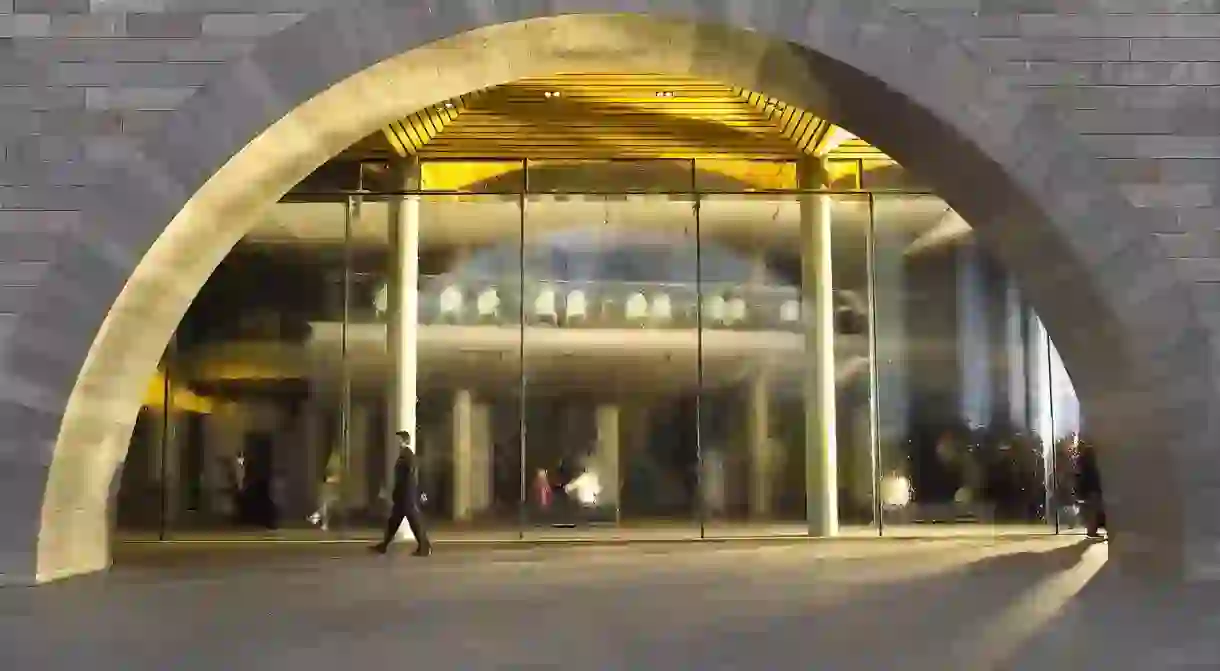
(84,82)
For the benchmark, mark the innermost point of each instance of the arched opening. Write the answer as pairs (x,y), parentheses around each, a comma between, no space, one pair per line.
(214,200)
(617,286)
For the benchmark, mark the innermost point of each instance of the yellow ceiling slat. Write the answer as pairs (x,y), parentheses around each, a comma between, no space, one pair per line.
(577,115)
(391,136)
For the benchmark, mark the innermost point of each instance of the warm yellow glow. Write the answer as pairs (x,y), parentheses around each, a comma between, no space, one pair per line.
(180,398)
(461,175)
(834,139)
(764,175)
(248,361)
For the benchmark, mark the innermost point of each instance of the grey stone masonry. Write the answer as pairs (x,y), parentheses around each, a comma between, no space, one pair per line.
(1099,118)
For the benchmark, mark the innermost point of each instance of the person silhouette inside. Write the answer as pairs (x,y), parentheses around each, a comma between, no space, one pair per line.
(1088,487)
(405,501)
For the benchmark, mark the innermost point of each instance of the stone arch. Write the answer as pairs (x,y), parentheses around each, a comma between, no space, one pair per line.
(148,240)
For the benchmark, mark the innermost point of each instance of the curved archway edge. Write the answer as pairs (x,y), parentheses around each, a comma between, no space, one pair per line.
(147,241)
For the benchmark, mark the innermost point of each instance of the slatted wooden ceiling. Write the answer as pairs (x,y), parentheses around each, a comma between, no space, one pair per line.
(571,116)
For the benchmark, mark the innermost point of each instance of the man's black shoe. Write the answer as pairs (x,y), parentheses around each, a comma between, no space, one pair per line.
(380,548)
(422,551)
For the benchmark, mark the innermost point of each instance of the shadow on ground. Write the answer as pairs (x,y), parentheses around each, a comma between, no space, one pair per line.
(976,605)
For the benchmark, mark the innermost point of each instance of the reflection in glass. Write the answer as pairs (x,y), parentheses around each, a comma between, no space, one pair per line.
(611,357)
(469,427)
(577,176)
(715,175)
(963,403)
(249,412)
(473,176)
(758,280)
(622,360)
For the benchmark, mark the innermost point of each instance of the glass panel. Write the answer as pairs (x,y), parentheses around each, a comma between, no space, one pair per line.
(611,365)
(255,384)
(757,264)
(844,174)
(367,451)
(469,427)
(735,175)
(332,177)
(477,176)
(963,414)
(609,176)
(1062,415)
(887,175)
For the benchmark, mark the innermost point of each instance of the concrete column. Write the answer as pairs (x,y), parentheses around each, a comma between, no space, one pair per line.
(403,313)
(223,432)
(1016,378)
(403,316)
(170,464)
(817,310)
(759,445)
(1039,392)
(313,444)
(974,356)
(356,466)
(606,459)
(481,457)
(154,433)
(463,457)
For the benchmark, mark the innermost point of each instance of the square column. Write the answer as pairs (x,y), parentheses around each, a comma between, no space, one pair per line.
(758,442)
(356,466)
(817,312)
(481,475)
(402,293)
(471,456)
(463,455)
(606,458)
(223,432)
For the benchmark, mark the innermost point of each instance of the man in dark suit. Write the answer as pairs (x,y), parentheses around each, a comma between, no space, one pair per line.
(405,498)
(1088,487)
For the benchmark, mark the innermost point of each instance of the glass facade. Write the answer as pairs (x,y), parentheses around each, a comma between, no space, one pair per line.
(649,348)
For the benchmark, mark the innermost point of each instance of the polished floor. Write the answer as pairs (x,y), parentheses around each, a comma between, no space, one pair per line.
(1038,603)
(641,532)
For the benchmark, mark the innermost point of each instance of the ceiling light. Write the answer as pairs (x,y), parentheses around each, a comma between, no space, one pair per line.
(665,94)
(552,94)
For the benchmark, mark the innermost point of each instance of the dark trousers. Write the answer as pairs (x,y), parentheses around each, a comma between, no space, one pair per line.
(408,510)
(1094,513)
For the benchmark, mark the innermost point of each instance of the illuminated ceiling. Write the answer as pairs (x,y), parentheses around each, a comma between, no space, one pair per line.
(613,116)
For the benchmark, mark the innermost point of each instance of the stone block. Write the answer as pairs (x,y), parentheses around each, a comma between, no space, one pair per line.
(130,75)
(102,6)
(87,25)
(136,98)
(176,25)
(51,6)
(1176,49)
(25,25)
(248,25)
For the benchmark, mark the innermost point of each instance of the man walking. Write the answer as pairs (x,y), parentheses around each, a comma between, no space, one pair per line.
(406,498)
(1088,487)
